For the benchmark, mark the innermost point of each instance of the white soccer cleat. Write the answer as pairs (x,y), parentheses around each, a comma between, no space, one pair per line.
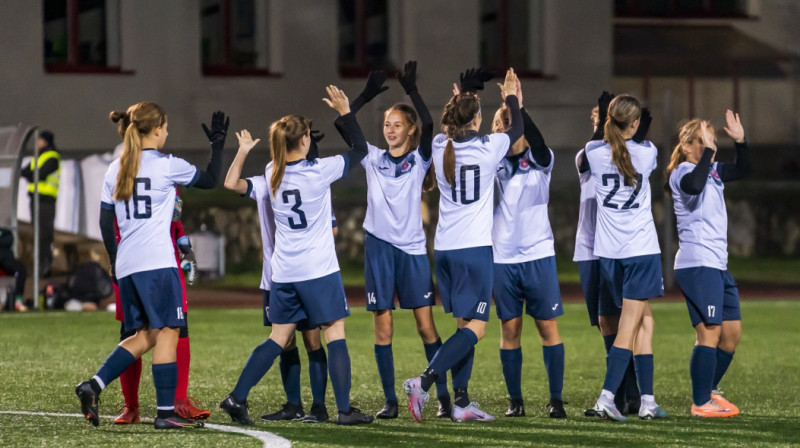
(416,397)
(608,411)
(651,412)
(471,412)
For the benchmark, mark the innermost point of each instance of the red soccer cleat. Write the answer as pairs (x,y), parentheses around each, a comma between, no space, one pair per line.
(187,408)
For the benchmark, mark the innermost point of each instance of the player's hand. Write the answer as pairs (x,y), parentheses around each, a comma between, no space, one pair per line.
(246,142)
(518,94)
(510,84)
(473,79)
(707,136)
(456,90)
(219,128)
(374,86)
(337,100)
(734,128)
(409,77)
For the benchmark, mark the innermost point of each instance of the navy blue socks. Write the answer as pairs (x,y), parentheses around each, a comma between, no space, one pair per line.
(290,375)
(441,380)
(114,365)
(723,362)
(165,378)
(702,366)
(554,364)
(318,374)
(339,368)
(257,365)
(385,360)
(608,341)
(616,363)
(512,371)
(644,373)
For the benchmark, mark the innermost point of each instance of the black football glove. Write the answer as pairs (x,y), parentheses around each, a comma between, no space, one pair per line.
(374,85)
(219,129)
(473,79)
(644,126)
(409,77)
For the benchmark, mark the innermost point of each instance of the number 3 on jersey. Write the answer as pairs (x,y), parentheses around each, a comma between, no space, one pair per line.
(301,223)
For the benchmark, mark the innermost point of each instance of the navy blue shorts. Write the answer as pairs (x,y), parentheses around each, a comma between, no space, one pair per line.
(388,269)
(153,299)
(301,326)
(465,281)
(319,301)
(534,282)
(711,294)
(637,278)
(598,298)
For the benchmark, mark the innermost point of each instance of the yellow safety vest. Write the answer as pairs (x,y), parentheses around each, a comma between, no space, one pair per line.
(49,185)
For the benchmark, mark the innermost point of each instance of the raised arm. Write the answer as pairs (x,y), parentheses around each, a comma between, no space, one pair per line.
(233,180)
(338,101)
(516,128)
(694,181)
(741,167)
(216,136)
(409,82)
(541,154)
(373,88)
(602,111)
(644,126)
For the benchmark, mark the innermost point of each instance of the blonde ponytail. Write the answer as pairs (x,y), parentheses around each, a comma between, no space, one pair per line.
(284,137)
(622,111)
(144,117)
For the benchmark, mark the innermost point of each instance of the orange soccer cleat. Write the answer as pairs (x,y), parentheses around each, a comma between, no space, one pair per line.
(187,408)
(716,395)
(712,409)
(128,416)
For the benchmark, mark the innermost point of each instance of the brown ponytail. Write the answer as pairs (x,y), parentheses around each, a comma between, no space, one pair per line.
(284,136)
(686,135)
(623,110)
(144,117)
(458,113)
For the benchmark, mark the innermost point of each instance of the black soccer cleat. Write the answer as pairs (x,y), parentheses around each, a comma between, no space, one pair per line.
(556,408)
(289,411)
(176,422)
(317,414)
(237,411)
(516,408)
(354,417)
(445,408)
(590,413)
(389,411)
(89,402)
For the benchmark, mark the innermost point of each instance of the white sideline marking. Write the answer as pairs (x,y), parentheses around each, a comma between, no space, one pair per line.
(270,440)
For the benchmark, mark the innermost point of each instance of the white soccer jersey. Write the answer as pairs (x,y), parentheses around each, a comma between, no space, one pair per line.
(394,193)
(702,221)
(521,229)
(587,215)
(625,225)
(260,193)
(145,218)
(465,213)
(304,247)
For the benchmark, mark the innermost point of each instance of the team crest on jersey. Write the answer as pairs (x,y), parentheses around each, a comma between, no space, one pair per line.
(715,177)
(388,167)
(524,165)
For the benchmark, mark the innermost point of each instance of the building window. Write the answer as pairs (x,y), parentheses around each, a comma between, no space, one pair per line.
(511,36)
(363,37)
(235,38)
(81,36)
(681,9)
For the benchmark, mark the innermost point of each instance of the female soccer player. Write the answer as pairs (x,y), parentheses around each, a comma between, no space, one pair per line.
(603,312)
(185,406)
(524,259)
(256,188)
(395,254)
(139,193)
(465,171)
(306,283)
(627,245)
(701,265)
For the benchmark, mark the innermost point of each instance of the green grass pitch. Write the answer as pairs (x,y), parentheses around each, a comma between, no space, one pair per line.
(44,355)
